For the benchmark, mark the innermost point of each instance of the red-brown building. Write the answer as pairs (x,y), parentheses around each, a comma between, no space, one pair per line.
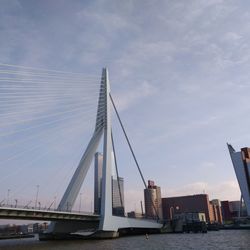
(215,207)
(191,204)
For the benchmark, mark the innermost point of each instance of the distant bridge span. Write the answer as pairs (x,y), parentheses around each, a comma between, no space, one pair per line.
(73,220)
(45,215)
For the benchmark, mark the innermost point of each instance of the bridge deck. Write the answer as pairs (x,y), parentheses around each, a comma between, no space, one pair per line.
(45,215)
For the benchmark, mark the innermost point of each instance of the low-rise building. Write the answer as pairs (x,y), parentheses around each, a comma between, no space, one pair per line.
(191,217)
(199,203)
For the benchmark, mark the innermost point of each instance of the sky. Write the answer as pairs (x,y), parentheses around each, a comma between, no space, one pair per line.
(179,74)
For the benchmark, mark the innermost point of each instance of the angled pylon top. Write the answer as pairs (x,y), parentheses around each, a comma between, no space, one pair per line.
(75,184)
(101,103)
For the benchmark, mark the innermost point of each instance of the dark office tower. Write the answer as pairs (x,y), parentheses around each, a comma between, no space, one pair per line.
(118,196)
(153,203)
(98,182)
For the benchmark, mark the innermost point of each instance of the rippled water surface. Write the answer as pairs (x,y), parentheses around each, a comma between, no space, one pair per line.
(211,240)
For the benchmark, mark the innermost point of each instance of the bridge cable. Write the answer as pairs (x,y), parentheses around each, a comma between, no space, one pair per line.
(53,175)
(118,116)
(40,69)
(30,149)
(42,156)
(116,168)
(40,125)
(131,149)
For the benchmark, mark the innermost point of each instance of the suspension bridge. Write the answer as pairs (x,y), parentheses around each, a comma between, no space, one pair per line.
(37,109)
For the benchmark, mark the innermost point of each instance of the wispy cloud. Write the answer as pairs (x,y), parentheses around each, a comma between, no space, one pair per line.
(139,93)
(227,190)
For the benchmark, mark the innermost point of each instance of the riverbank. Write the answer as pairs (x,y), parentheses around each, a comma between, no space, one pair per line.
(236,227)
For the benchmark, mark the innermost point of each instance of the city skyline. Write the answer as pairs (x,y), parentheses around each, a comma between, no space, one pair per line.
(179,75)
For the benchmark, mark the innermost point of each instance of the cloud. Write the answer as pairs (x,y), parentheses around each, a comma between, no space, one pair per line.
(226,190)
(207,166)
(132,96)
(232,36)
(180,128)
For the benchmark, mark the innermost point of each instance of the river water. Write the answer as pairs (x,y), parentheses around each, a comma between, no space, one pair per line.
(238,239)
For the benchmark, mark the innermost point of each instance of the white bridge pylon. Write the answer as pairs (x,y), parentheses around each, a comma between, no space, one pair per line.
(108,222)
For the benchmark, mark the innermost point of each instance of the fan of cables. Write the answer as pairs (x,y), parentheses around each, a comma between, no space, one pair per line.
(46,119)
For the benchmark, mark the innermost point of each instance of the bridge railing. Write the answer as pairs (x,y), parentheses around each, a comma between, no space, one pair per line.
(41,208)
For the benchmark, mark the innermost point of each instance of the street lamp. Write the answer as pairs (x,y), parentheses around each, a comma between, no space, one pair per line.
(37,190)
(2,202)
(68,206)
(8,196)
(55,203)
(15,203)
(80,202)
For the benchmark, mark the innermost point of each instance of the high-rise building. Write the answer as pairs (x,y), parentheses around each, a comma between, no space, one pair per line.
(241,163)
(226,211)
(98,182)
(118,196)
(152,199)
(117,189)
